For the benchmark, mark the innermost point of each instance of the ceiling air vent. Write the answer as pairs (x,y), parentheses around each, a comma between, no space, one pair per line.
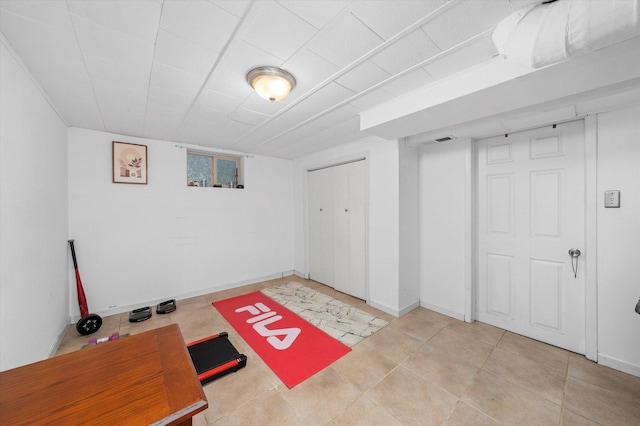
(445,139)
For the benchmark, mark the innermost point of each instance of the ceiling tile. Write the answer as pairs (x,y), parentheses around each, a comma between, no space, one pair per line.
(199,113)
(47,66)
(333,118)
(174,79)
(139,19)
(465,20)
(387,18)
(278,31)
(201,120)
(235,7)
(344,40)
(519,4)
(230,82)
(28,36)
(258,104)
(161,124)
(218,101)
(159,130)
(119,121)
(309,70)
(113,45)
(316,12)
(249,117)
(169,100)
(293,136)
(53,12)
(104,69)
(408,82)
(230,132)
(246,57)
(250,141)
(457,60)
(113,96)
(347,127)
(80,112)
(406,52)
(182,54)
(195,135)
(200,22)
(371,99)
(59,89)
(115,107)
(271,129)
(345,132)
(143,62)
(325,98)
(363,76)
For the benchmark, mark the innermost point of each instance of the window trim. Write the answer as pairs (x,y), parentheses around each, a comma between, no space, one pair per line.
(213,157)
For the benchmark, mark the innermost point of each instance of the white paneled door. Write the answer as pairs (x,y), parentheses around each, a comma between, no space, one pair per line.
(321,226)
(337,227)
(530,214)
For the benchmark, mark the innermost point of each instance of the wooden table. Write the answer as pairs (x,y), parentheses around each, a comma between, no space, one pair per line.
(142,379)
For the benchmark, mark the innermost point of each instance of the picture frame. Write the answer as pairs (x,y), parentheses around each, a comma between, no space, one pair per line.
(129,163)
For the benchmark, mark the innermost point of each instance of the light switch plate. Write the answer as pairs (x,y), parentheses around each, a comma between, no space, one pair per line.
(611,199)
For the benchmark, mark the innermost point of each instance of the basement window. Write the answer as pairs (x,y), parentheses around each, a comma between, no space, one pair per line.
(214,170)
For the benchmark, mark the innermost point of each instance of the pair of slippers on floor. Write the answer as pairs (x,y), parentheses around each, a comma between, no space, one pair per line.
(142,314)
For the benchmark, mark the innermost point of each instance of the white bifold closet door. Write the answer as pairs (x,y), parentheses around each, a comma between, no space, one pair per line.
(337,220)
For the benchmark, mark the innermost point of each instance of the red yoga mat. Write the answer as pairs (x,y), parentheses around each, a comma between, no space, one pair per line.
(292,347)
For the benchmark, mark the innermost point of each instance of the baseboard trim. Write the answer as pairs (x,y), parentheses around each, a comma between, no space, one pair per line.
(409,308)
(443,311)
(301,275)
(128,308)
(385,308)
(619,365)
(56,343)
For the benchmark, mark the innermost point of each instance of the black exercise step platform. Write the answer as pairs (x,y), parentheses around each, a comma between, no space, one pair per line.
(215,356)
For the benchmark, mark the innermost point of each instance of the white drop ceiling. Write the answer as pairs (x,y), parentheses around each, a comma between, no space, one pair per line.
(175,69)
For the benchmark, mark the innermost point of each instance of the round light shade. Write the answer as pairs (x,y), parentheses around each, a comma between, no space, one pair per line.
(271,83)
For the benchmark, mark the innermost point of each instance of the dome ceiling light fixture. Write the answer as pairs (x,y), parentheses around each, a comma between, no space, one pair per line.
(271,83)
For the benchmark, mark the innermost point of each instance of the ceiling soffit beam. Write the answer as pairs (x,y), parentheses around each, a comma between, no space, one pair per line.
(566,109)
(498,88)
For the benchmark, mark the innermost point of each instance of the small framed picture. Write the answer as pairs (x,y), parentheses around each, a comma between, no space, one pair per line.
(129,163)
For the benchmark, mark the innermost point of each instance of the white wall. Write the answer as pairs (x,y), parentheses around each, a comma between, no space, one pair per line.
(383,215)
(443,168)
(619,240)
(34,293)
(409,228)
(140,244)
(442,227)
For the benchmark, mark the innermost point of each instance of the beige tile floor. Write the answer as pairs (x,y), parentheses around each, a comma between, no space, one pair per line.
(423,369)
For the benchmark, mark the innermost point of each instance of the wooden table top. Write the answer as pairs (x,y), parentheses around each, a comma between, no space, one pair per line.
(142,379)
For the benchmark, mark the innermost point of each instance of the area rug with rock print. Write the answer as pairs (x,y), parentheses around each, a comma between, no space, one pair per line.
(338,319)
(296,330)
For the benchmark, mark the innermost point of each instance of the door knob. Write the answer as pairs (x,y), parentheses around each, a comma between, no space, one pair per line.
(574,252)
